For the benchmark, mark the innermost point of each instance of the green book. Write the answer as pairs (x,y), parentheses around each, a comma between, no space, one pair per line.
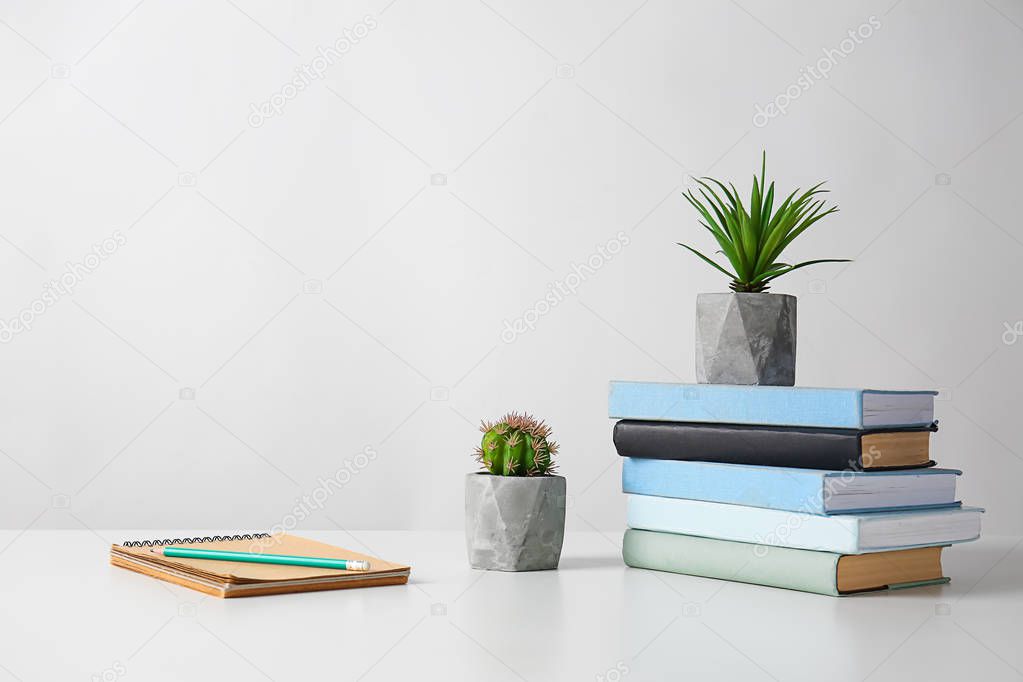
(793,569)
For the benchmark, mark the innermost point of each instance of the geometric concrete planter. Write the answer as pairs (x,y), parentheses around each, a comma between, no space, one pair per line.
(746,339)
(514,523)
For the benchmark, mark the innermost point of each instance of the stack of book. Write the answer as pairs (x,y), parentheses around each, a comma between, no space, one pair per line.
(816,489)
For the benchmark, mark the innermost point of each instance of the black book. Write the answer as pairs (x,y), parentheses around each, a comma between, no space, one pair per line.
(782,446)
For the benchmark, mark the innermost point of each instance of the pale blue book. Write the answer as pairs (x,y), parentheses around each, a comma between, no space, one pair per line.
(839,533)
(811,491)
(850,408)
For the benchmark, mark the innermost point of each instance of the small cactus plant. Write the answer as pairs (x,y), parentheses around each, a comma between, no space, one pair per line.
(516,445)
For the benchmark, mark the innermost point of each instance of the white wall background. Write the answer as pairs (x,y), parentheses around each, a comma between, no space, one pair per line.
(320,295)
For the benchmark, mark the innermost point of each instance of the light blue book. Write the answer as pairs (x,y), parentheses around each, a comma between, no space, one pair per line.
(851,408)
(840,533)
(810,491)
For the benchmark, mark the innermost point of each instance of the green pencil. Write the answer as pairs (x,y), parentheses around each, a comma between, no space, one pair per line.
(285,559)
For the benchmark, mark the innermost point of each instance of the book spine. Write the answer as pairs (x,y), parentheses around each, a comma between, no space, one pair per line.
(793,569)
(831,450)
(772,488)
(718,403)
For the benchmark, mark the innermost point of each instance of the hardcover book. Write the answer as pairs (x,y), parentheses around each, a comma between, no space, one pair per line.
(839,533)
(849,408)
(794,569)
(784,446)
(803,490)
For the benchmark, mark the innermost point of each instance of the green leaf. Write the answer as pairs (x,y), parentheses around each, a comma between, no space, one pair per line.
(755,208)
(807,223)
(765,216)
(727,192)
(790,268)
(727,217)
(726,246)
(720,226)
(708,260)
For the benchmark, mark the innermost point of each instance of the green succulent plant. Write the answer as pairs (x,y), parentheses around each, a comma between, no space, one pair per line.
(517,445)
(753,240)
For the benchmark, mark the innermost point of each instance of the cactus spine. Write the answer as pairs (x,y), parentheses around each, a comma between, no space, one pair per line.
(517,445)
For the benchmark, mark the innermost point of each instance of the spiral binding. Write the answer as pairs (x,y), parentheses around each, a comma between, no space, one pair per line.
(189,541)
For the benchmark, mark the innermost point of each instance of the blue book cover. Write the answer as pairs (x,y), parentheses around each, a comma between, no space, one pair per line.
(810,491)
(851,408)
(838,533)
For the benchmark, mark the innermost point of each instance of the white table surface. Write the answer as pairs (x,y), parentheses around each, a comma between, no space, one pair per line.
(69,615)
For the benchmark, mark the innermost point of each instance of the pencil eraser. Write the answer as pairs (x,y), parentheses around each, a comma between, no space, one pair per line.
(358,565)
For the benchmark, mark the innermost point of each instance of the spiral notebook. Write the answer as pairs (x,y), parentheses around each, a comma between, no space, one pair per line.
(226,579)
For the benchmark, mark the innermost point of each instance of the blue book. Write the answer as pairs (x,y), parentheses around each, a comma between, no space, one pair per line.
(850,408)
(839,533)
(810,491)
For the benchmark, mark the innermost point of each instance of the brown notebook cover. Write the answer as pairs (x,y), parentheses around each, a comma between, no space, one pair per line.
(228,579)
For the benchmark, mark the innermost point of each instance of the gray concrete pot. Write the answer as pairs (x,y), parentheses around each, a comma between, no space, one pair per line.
(746,339)
(514,523)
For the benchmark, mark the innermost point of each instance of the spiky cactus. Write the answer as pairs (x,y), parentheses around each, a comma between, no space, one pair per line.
(517,445)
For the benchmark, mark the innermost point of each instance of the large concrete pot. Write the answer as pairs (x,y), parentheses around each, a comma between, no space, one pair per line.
(746,339)
(514,523)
